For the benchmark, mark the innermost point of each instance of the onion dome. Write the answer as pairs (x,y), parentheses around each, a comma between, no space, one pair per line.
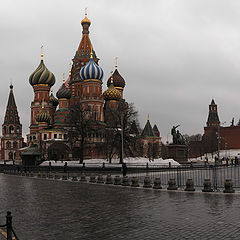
(85,20)
(43,117)
(118,80)
(112,93)
(42,75)
(91,70)
(53,99)
(63,92)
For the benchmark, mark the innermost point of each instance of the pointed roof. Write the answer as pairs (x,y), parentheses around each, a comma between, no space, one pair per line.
(134,128)
(11,115)
(155,130)
(213,119)
(213,103)
(85,47)
(148,131)
(83,52)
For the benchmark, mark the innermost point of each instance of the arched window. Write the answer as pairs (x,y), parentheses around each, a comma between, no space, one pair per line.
(15,144)
(18,129)
(8,145)
(11,129)
(4,130)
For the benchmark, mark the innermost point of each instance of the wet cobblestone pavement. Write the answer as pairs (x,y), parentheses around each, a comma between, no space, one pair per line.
(49,209)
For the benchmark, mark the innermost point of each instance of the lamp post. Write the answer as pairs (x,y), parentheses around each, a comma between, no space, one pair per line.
(122,137)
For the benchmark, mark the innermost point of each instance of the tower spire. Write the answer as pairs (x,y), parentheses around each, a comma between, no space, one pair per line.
(213,119)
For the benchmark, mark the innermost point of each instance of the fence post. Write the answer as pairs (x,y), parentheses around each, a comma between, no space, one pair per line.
(215,177)
(9,225)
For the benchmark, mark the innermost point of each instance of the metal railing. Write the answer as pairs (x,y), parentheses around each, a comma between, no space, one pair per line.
(198,173)
(10,233)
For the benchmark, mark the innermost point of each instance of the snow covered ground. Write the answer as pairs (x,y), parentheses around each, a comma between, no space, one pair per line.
(115,162)
(231,154)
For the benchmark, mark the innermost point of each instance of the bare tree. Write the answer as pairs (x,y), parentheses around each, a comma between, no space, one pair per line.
(118,137)
(81,121)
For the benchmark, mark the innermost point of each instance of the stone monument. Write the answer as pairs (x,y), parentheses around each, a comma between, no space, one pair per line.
(177,149)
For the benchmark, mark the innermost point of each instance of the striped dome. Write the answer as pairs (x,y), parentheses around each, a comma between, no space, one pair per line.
(118,80)
(42,117)
(112,93)
(53,100)
(63,92)
(42,76)
(91,71)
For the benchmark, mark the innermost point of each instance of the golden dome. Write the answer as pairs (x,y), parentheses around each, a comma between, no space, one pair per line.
(85,20)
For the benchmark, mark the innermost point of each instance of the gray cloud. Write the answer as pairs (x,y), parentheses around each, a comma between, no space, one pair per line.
(175,55)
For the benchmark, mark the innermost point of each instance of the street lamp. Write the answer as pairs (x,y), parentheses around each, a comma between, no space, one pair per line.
(122,137)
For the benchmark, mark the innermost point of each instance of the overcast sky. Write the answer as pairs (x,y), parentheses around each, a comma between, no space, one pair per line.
(175,55)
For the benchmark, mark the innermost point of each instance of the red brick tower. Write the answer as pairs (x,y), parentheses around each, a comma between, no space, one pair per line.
(91,76)
(12,138)
(213,119)
(80,59)
(41,80)
(213,130)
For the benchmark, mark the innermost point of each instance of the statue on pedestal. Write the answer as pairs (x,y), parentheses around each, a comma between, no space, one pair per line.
(177,136)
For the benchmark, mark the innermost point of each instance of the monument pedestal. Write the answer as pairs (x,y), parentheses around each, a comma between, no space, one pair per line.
(177,152)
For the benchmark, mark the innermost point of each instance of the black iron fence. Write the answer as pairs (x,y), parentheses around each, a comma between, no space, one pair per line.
(9,232)
(217,174)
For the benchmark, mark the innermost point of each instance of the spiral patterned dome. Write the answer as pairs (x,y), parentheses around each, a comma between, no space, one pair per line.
(112,93)
(53,100)
(43,117)
(63,92)
(42,76)
(91,71)
(118,80)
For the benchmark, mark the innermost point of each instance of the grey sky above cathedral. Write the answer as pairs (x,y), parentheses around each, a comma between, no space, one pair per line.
(174,55)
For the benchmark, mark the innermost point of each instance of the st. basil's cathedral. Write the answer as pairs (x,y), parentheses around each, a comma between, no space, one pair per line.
(51,118)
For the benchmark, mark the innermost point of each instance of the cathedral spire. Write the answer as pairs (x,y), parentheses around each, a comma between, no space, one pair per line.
(83,52)
(11,116)
(11,130)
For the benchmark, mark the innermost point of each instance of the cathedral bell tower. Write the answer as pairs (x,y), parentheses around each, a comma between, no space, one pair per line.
(12,138)
(80,59)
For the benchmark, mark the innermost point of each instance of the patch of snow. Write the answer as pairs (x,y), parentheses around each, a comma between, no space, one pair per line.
(231,154)
(115,162)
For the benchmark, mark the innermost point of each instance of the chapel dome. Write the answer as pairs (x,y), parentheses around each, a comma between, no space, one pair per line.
(42,75)
(91,71)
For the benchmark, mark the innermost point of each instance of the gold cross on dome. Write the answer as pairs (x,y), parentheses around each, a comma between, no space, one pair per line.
(63,77)
(116,58)
(41,52)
